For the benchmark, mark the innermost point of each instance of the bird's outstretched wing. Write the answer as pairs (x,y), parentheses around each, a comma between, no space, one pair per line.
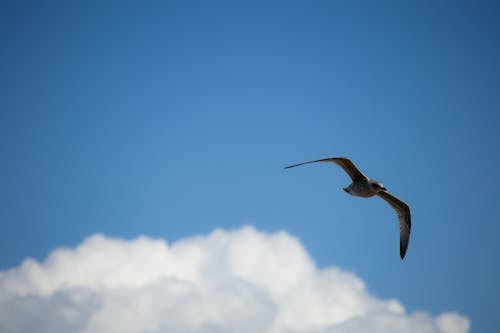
(404,218)
(344,163)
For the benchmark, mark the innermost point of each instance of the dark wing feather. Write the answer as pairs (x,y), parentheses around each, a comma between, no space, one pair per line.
(344,163)
(404,217)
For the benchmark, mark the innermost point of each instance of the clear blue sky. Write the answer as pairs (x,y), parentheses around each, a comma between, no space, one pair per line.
(171,119)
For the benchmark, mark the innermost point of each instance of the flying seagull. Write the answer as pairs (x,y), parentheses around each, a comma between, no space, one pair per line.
(362,186)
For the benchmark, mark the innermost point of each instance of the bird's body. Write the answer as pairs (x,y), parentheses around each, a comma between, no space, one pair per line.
(362,186)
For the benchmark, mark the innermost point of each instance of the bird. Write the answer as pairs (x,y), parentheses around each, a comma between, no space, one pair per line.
(363,186)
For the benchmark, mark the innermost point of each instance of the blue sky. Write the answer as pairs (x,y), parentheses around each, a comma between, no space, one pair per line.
(171,119)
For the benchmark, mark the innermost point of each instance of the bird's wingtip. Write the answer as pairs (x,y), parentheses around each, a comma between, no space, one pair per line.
(402,253)
(292,166)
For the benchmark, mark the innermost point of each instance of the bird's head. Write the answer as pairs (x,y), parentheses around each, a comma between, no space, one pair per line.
(378,186)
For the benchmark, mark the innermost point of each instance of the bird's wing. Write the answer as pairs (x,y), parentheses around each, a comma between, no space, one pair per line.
(344,163)
(404,218)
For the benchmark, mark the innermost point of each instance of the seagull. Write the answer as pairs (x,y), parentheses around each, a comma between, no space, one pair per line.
(362,186)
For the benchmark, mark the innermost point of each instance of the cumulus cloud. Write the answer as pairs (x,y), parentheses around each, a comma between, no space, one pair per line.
(228,281)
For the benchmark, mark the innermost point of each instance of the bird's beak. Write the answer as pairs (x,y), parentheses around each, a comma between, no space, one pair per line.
(384,189)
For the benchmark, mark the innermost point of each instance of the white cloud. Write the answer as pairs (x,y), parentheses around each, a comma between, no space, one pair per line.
(228,281)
